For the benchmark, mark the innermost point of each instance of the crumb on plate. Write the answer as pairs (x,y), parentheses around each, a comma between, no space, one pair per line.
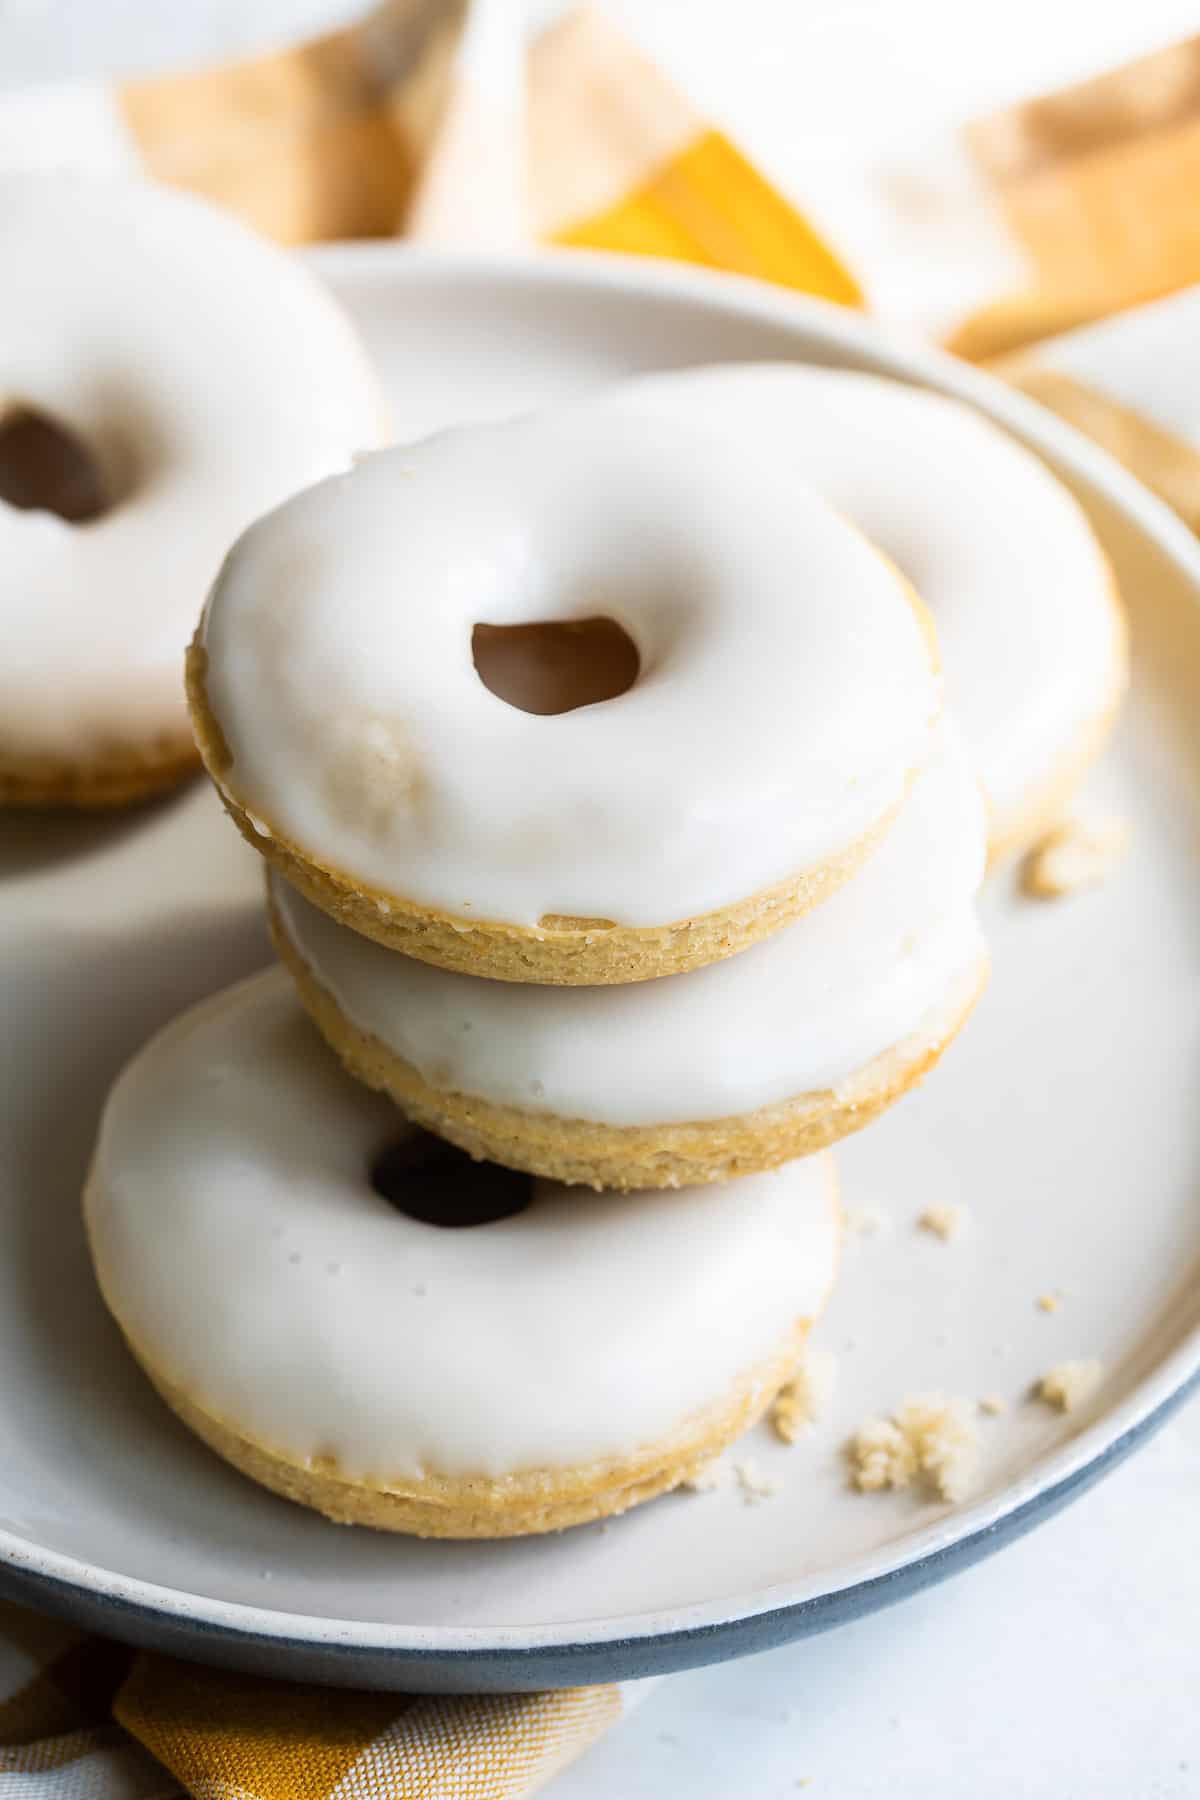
(804,1399)
(930,1436)
(1070,1383)
(865,1221)
(1074,856)
(754,1482)
(945,1220)
(707,1478)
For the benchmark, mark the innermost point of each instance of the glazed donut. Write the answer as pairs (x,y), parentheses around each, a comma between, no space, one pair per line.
(565,1361)
(164,377)
(784,687)
(699,1077)
(1029,624)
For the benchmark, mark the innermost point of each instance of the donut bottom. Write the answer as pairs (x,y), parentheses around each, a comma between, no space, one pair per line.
(520,1505)
(561,952)
(119,779)
(582,1152)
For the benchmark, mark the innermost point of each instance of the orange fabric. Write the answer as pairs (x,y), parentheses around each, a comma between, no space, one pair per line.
(708,205)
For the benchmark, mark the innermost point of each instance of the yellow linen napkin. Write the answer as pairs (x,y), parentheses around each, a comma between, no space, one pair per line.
(343,137)
(84,1719)
(1064,211)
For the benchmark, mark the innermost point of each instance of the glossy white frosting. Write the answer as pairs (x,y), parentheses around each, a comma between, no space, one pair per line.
(242,1248)
(211,376)
(786,689)
(997,547)
(800,1011)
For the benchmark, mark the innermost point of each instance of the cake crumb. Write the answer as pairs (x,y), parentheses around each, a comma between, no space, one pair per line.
(1049,1303)
(882,1456)
(1070,1384)
(865,1221)
(754,1482)
(993,1405)
(804,1399)
(945,1220)
(1074,856)
(930,1436)
(707,1478)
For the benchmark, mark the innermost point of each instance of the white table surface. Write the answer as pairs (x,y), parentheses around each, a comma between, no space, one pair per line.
(1070,1664)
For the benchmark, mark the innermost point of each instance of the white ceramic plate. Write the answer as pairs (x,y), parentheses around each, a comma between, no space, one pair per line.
(1064,1120)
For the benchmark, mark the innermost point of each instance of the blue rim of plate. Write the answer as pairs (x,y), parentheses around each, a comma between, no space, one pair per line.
(506,1669)
(393,1657)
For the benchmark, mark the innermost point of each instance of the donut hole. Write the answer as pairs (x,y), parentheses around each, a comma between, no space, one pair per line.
(46,466)
(431,1181)
(555,665)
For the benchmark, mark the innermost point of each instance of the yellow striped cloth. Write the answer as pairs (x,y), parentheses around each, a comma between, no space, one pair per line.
(85,1719)
(997,239)
(1083,201)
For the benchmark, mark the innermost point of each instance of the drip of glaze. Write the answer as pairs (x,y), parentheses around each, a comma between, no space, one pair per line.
(429,1180)
(556,665)
(47,467)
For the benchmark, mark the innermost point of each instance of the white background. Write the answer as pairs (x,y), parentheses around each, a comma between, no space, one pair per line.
(1070,1665)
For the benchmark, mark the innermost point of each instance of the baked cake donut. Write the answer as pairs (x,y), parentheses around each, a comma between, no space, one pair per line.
(568,1359)
(1030,627)
(699,1077)
(717,692)
(165,376)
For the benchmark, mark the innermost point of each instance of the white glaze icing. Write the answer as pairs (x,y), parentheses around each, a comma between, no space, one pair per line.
(242,1248)
(785,695)
(800,1011)
(998,548)
(211,376)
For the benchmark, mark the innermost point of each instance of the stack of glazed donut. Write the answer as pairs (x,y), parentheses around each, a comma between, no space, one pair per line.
(623,857)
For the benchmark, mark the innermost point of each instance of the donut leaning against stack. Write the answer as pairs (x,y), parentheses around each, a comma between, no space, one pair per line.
(399,688)
(1029,622)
